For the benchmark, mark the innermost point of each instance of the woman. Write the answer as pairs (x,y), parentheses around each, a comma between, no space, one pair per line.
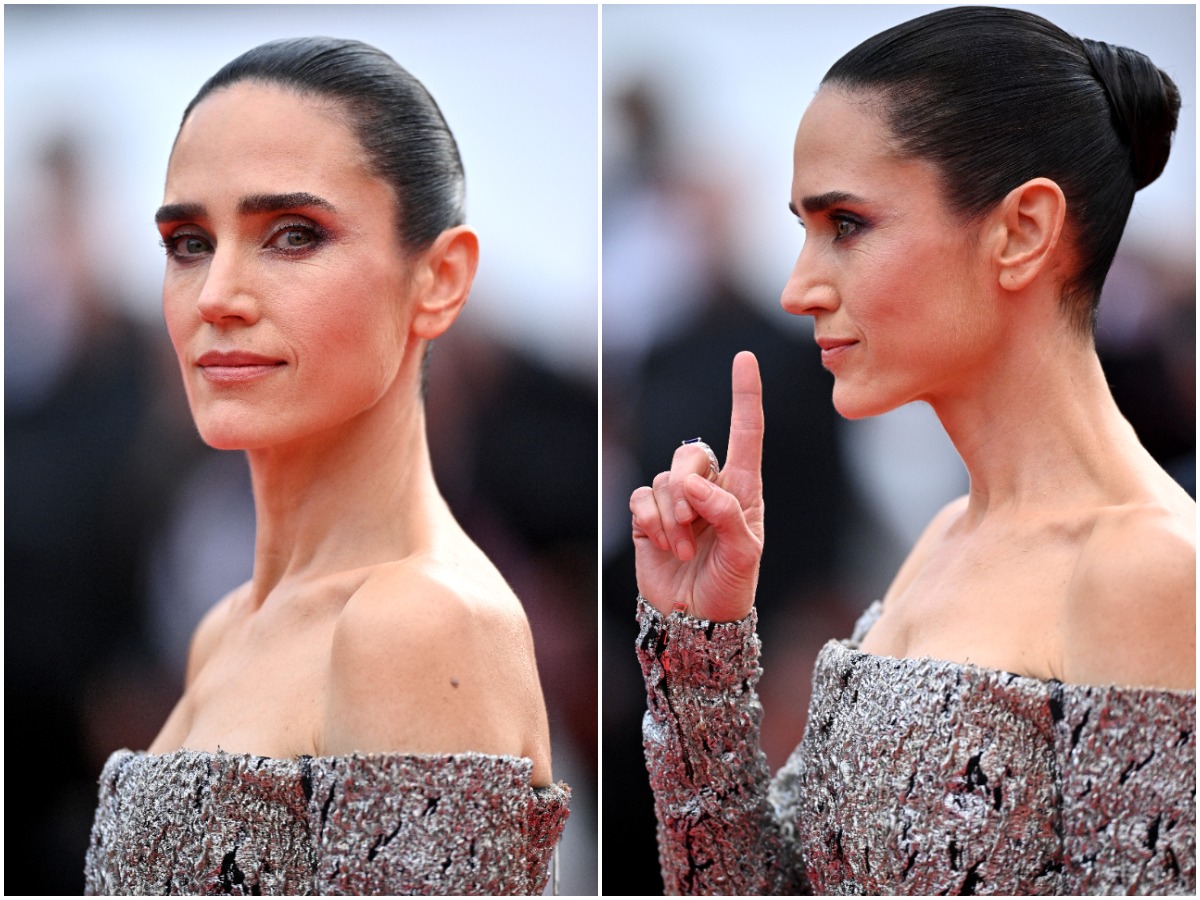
(364,715)
(1018,714)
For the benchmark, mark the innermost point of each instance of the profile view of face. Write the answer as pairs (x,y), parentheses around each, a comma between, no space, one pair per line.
(891,276)
(285,286)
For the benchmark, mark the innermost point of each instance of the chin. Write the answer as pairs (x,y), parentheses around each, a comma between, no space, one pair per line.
(224,440)
(855,402)
(232,435)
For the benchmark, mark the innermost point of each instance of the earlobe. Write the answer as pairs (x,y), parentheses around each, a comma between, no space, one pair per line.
(449,268)
(1031,219)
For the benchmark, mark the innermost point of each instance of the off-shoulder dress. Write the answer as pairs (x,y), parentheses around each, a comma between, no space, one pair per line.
(195,822)
(914,776)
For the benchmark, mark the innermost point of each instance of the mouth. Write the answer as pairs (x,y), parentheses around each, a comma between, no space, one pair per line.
(834,348)
(228,367)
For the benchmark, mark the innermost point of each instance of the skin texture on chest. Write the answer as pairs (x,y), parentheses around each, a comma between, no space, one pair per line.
(993,599)
(262,688)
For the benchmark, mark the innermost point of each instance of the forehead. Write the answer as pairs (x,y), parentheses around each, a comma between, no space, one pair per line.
(843,144)
(251,138)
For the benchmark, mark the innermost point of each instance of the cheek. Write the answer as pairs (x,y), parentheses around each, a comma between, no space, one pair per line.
(921,287)
(179,314)
(892,287)
(352,326)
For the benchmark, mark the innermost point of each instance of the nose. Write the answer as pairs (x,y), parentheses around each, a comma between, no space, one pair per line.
(809,289)
(227,296)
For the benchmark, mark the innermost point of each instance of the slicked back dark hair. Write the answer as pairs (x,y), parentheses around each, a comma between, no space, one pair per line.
(397,122)
(995,97)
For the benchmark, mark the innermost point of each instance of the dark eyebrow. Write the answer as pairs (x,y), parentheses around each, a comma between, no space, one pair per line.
(253,204)
(829,199)
(177,212)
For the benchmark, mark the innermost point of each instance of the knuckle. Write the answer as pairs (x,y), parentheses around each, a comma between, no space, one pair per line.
(642,511)
(683,451)
(723,503)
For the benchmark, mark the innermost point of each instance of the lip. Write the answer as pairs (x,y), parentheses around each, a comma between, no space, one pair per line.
(832,348)
(236,366)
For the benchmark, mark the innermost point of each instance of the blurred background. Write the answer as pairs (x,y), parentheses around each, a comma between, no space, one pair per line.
(700,109)
(121,527)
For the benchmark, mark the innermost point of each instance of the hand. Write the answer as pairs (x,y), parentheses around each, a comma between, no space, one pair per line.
(697,541)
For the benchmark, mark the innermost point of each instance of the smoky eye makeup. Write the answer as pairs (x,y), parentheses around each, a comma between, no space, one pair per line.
(846,225)
(296,236)
(185,246)
(292,237)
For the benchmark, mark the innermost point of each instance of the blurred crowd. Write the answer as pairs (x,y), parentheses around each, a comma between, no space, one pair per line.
(122,527)
(844,500)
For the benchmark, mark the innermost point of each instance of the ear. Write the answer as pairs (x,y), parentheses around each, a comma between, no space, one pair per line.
(1028,227)
(447,269)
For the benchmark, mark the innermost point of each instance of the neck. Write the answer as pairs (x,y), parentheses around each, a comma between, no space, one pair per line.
(358,495)
(1040,429)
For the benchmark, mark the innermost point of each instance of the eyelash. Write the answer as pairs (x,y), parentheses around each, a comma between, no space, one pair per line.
(169,243)
(838,219)
(316,236)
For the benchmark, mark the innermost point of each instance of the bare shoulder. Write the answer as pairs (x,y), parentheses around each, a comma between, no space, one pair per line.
(432,655)
(934,532)
(430,606)
(209,632)
(1130,615)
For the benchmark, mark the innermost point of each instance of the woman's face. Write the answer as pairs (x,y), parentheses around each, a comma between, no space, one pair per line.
(893,279)
(285,287)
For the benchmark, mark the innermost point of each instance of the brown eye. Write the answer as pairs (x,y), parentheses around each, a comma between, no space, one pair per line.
(846,226)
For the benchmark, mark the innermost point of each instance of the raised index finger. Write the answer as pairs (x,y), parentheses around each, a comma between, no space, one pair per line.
(746,422)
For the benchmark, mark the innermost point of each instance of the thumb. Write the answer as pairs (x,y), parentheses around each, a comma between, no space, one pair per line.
(719,508)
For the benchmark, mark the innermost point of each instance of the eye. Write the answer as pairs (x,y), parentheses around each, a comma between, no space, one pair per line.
(845,226)
(294,237)
(186,246)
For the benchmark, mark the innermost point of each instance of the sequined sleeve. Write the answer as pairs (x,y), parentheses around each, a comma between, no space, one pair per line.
(718,832)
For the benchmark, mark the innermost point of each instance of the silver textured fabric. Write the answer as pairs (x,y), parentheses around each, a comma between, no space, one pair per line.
(915,776)
(194,822)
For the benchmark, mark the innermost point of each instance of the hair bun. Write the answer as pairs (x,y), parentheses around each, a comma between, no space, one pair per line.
(1145,104)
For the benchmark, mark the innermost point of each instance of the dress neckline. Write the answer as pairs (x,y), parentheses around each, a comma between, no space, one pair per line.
(466,755)
(519,767)
(911,664)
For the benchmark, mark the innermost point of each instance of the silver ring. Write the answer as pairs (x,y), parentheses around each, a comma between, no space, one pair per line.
(714,467)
